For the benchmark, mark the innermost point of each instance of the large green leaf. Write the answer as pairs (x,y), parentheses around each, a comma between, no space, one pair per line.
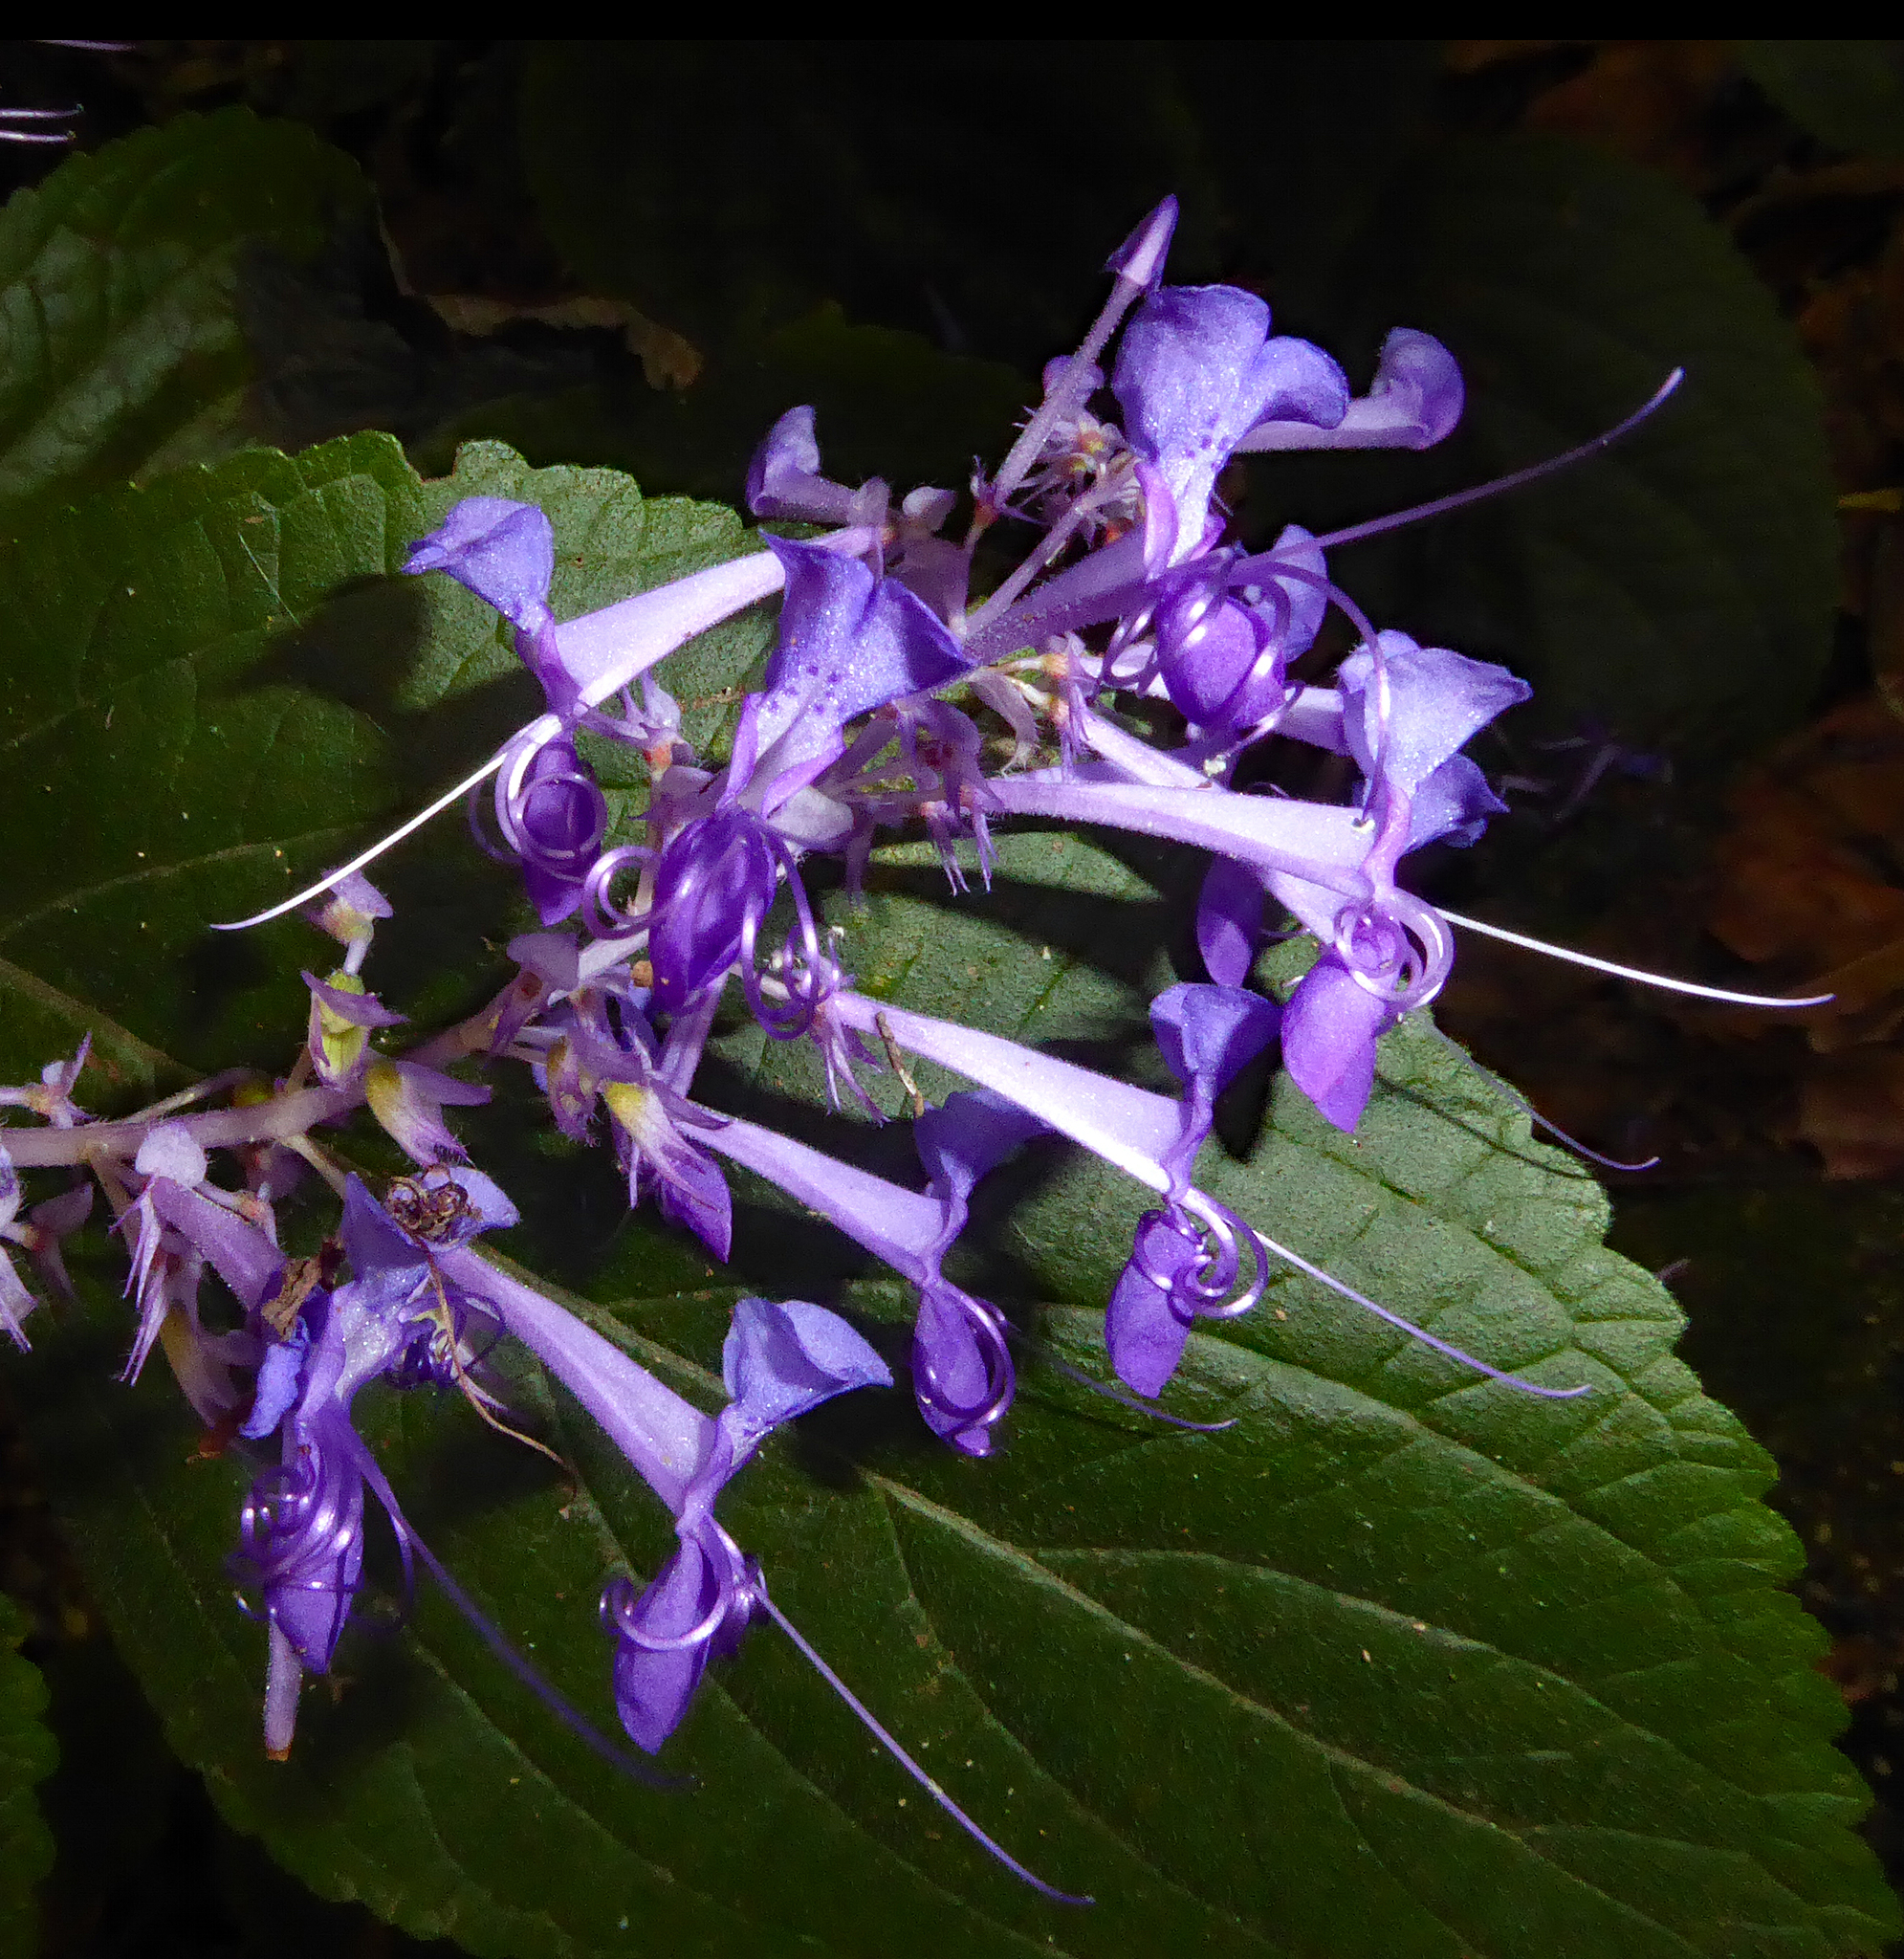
(121,340)
(27,1752)
(1401,1663)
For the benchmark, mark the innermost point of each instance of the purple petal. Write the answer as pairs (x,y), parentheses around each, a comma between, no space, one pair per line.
(1437,701)
(355,1009)
(241,1253)
(1330,1030)
(951,1382)
(1415,400)
(781,1358)
(1452,805)
(973,1132)
(280,1381)
(1208,1034)
(1195,370)
(169,1150)
(848,642)
(504,552)
(653,1690)
(691,1190)
(1229,920)
(1145,1338)
(784,479)
(1127,1126)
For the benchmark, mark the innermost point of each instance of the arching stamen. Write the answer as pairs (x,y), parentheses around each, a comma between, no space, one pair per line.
(1636,973)
(1533,1114)
(1421,1333)
(892,1748)
(1051,1358)
(1501,485)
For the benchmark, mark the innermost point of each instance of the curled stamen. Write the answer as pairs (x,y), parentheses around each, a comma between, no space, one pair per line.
(1206,1289)
(987,1328)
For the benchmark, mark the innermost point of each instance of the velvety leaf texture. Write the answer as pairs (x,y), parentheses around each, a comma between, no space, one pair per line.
(120,336)
(1401,1664)
(27,1752)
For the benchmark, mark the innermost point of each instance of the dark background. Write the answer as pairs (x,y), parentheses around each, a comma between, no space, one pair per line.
(637,254)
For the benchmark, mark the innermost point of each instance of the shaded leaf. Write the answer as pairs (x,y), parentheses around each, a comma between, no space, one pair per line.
(210,683)
(120,296)
(27,1752)
(1848,94)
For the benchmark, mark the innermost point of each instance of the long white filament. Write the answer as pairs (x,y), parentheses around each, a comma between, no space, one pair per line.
(375,851)
(1634,973)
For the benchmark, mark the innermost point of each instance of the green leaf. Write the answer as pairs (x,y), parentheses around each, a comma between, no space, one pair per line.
(1680,588)
(120,288)
(1401,1664)
(1848,94)
(216,684)
(27,1752)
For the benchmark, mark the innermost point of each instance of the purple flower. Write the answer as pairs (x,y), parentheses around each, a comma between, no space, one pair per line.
(1223,655)
(503,551)
(1196,369)
(342,1014)
(780,1360)
(1402,719)
(408,1099)
(651,1121)
(1207,1035)
(962,1373)
(301,1529)
(51,1097)
(37,1235)
(784,479)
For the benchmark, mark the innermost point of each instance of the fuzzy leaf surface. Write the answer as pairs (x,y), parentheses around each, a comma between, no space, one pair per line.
(121,337)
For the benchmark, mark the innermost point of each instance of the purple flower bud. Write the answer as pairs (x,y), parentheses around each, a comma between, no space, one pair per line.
(1140,259)
(713,885)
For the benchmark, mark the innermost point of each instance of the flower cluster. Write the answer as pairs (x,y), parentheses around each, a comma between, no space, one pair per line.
(895,698)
